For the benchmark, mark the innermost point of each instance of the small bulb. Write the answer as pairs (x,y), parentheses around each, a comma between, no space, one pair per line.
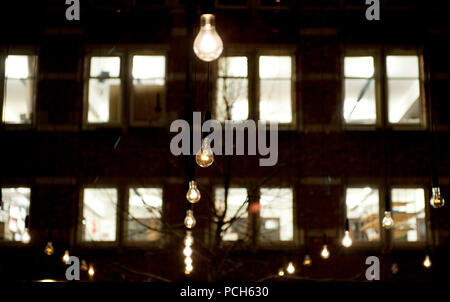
(427,262)
(26,236)
(193,194)
(205,156)
(66,257)
(188,261)
(187,251)
(281,272)
(388,222)
(436,200)
(189,221)
(189,269)
(347,240)
(325,254)
(290,268)
(91,271)
(49,248)
(394,268)
(208,45)
(307,260)
(84,266)
(188,240)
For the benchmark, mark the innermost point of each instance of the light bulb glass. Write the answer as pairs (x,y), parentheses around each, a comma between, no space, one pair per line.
(84,266)
(193,194)
(188,261)
(189,221)
(290,268)
(208,45)
(26,236)
(347,240)
(427,262)
(436,200)
(91,271)
(187,251)
(307,261)
(205,156)
(388,222)
(49,248)
(281,272)
(189,269)
(188,240)
(66,257)
(325,254)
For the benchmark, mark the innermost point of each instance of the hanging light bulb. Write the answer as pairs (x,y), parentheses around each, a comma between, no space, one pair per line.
(436,200)
(347,240)
(281,272)
(49,248)
(189,221)
(66,256)
(26,236)
(187,251)
(91,271)
(290,268)
(84,266)
(208,45)
(427,262)
(193,194)
(307,260)
(205,156)
(388,222)
(189,239)
(394,268)
(189,269)
(188,261)
(325,254)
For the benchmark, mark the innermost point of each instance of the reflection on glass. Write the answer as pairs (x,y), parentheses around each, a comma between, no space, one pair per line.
(408,207)
(236,207)
(363,213)
(276,214)
(99,214)
(13,211)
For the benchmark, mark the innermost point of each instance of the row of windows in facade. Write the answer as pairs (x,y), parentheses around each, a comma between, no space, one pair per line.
(366,89)
(275,212)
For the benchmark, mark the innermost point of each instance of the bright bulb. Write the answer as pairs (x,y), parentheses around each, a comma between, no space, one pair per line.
(26,236)
(205,156)
(325,254)
(189,221)
(307,260)
(436,200)
(347,241)
(427,262)
(91,271)
(188,261)
(193,194)
(189,269)
(188,240)
(66,257)
(84,266)
(187,251)
(388,222)
(208,45)
(49,248)
(290,268)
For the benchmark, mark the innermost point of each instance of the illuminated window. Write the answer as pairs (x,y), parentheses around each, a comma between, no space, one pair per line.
(20,72)
(148,73)
(232,89)
(99,214)
(408,207)
(404,99)
(363,213)
(144,214)
(14,209)
(104,92)
(275,88)
(236,208)
(359,81)
(276,215)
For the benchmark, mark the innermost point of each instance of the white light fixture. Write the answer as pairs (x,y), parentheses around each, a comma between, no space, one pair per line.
(208,45)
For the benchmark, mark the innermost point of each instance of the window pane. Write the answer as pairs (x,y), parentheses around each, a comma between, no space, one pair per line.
(359,103)
(148,100)
(276,215)
(233,67)
(236,207)
(232,99)
(408,207)
(275,67)
(149,67)
(105,67)
(104,96)
(359,67)
(402,66)
(275,101)
(145,207)
(13,211)
(362,213)
(99,214)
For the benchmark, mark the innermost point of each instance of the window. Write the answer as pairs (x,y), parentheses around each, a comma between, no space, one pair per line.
(275,91)
(236,207)
(99,215)
(144,214)
(148,73)
(408,210)
(104,90)
(359,82)
(403,80)
(20,72)
(363,213)
(276,215)
(232,89)
(14,209)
